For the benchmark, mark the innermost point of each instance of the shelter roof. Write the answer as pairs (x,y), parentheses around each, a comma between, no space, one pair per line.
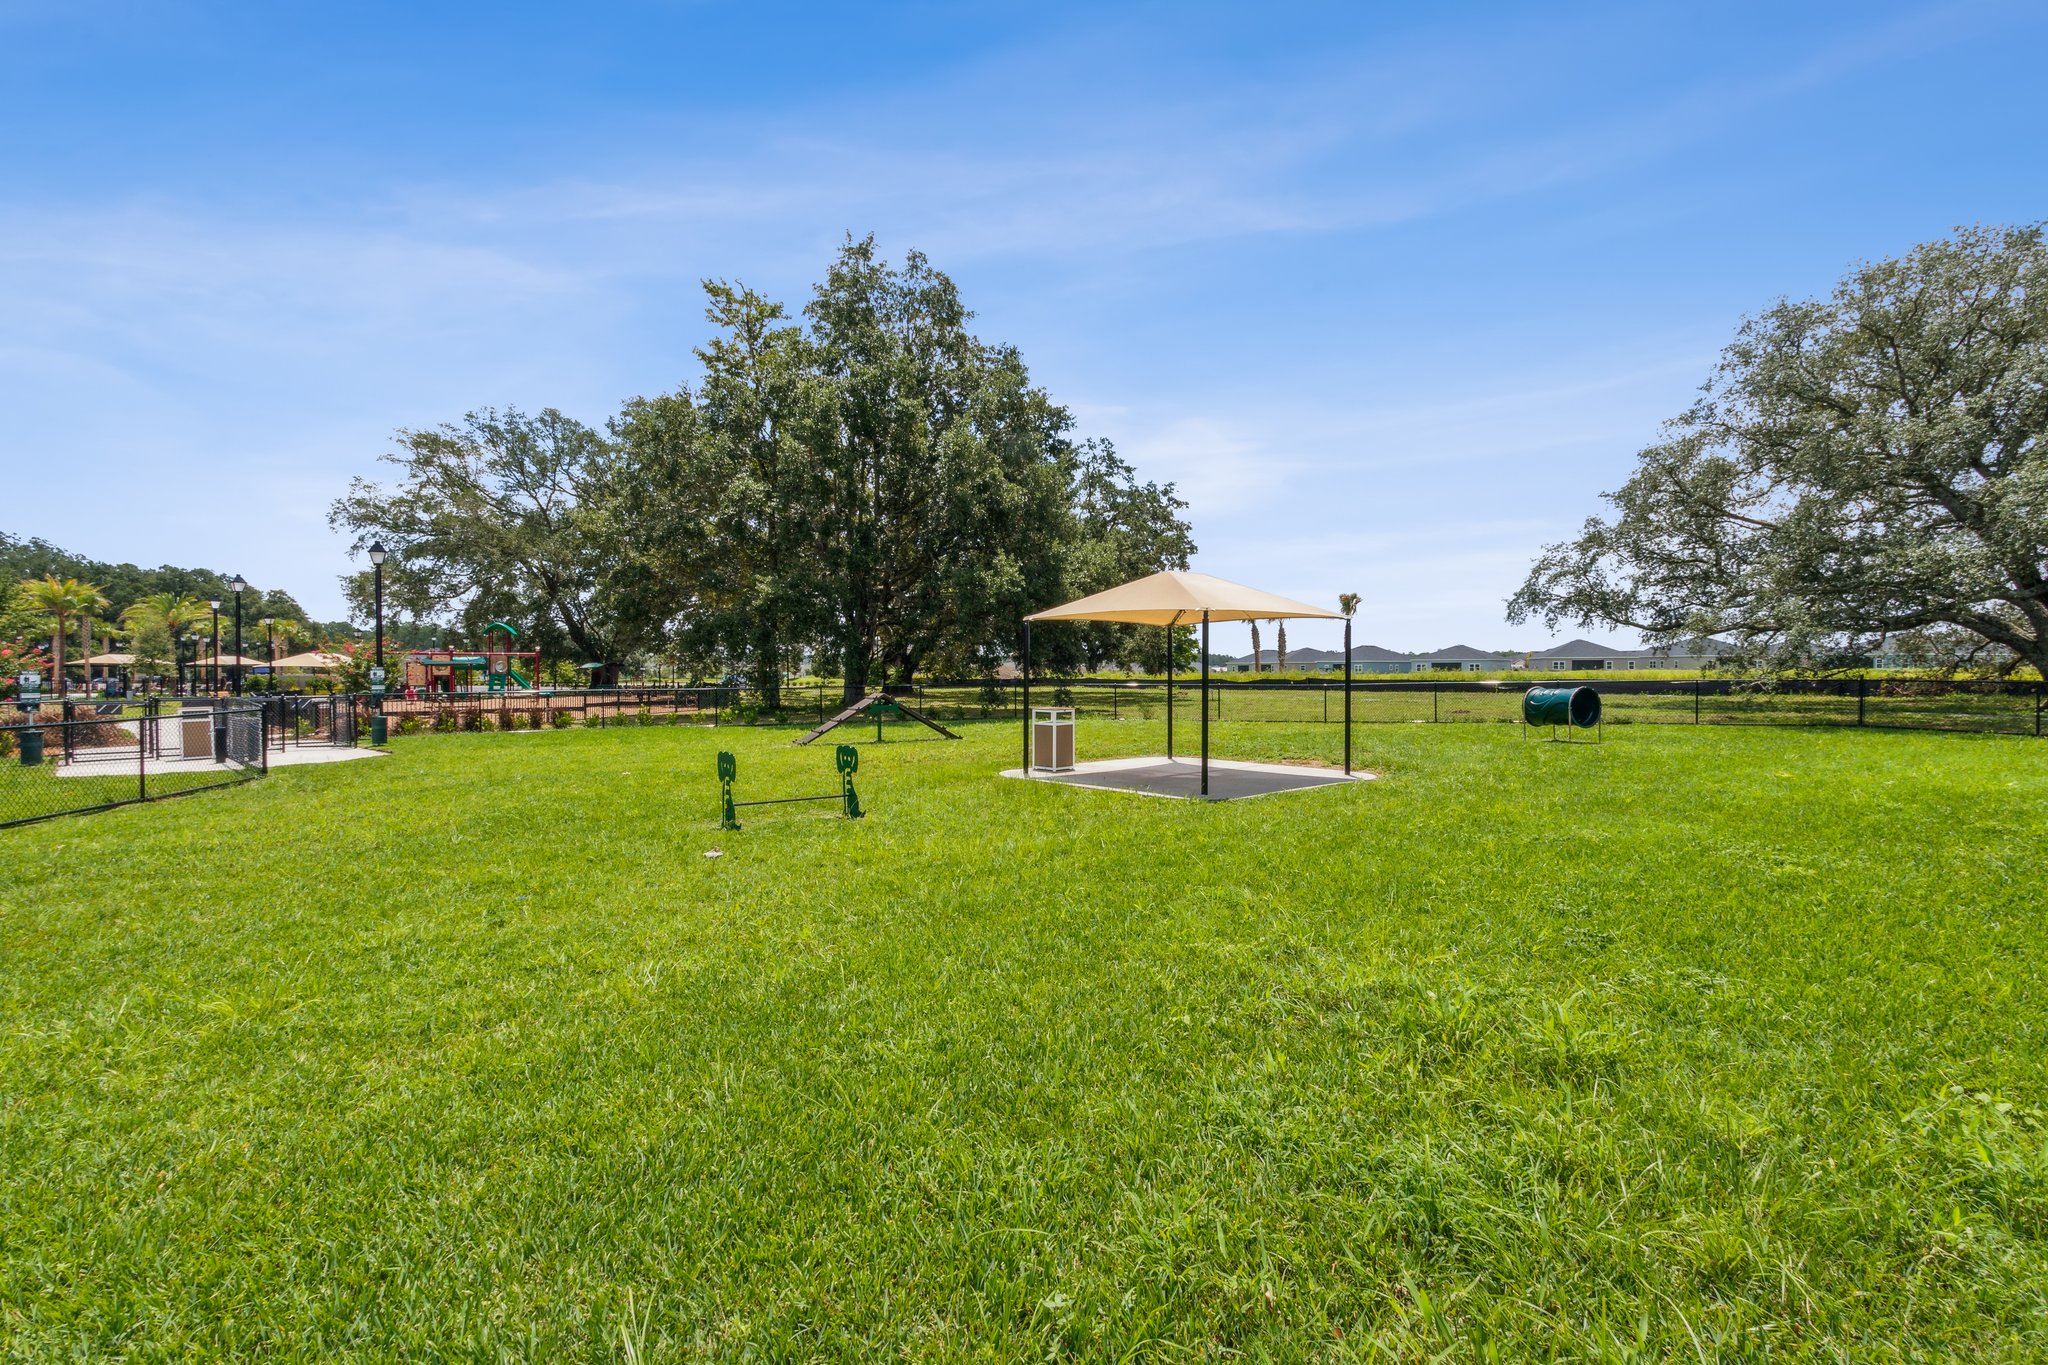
(1179,597)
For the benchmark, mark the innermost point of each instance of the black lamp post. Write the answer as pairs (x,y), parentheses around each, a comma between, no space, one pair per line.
(270,651)
(377,553)
(213,665)
(240,585)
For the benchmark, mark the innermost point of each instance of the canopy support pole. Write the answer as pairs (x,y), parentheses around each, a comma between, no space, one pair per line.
(1169,685)
(1205,703)
(1025,673)
(1347,696)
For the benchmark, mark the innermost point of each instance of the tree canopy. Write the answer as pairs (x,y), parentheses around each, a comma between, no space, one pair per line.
(868,489)
(491,520)
(1864,466)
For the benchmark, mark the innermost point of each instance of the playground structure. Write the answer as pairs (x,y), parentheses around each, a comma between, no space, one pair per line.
(504,667)
(847,762)
(879,705)
(1562,708)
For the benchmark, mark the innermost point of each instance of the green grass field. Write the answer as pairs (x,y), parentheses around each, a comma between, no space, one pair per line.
(1704,1043)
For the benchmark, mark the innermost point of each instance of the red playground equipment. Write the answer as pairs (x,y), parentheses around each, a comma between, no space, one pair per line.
(503,667)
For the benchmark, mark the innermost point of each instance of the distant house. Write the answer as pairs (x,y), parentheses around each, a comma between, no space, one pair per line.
(1694,655)
(1298,660)
(1378,659)
(1315,660)
(1582,656)
(1462,659)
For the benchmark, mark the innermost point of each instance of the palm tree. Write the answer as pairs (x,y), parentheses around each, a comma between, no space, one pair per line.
(289,632)
(171,610)
(60,598)
(1347,602)
(1255,648)
(1280,647)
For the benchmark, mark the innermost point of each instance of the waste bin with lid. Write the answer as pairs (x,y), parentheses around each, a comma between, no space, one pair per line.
(1052,739)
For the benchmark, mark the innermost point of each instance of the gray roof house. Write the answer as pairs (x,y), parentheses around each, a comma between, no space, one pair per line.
(1298,660)
(1579,656)
(1587,655)
(1463,659)
(1378,659)
(1695,654)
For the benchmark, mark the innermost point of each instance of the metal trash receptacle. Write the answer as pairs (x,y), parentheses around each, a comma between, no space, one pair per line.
(195,735)
(1052,739)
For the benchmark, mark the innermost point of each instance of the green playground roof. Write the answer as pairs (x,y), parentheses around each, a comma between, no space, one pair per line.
(505,626)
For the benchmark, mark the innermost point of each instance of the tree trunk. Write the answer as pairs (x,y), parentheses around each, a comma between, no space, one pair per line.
(854,684)
(768,669)
(57,657)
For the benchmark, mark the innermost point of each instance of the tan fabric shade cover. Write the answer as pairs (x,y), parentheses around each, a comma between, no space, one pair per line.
(104,660)
(1178,597)
(226,661)
(312,659)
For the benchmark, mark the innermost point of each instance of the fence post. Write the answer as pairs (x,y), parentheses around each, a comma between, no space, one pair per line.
(2040,701)
(1435,690)
(1698,684)
(142,728)
(1862,695)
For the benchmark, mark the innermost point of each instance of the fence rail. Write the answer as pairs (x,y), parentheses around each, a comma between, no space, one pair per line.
(1984,706)
(66,757)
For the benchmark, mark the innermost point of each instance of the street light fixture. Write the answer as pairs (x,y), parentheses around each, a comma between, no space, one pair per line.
(240,585)
(377,555)
(213,664)
(270,651)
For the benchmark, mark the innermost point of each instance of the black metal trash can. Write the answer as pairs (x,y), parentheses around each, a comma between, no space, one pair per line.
(31,740)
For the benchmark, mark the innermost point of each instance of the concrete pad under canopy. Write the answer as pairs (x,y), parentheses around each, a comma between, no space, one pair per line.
(1177,778)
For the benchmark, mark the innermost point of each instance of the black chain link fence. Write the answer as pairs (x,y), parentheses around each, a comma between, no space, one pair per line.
(1984,706)
(64,757)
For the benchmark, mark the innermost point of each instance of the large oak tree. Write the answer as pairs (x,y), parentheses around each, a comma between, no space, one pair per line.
(490,520)
(1861,466)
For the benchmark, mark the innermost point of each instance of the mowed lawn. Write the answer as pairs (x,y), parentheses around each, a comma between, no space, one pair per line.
(1704,1043)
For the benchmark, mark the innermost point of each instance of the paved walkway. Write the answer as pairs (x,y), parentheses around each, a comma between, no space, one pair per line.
(120,761)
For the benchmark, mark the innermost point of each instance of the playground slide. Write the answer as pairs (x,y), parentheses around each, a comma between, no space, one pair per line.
(518,679)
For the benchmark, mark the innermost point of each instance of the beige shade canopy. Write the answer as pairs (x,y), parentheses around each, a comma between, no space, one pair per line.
(312,659)
(226,661)
(1178,597)
(108,660)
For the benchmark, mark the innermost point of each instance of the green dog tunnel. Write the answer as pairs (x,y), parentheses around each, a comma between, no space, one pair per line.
(1562,706)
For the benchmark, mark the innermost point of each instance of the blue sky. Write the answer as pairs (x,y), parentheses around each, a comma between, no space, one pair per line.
(1391,292)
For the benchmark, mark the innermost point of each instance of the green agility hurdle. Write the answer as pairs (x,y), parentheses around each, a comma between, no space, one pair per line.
(1565,708)
(848,763)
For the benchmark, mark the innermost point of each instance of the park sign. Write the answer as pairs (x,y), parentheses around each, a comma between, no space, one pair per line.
(376,681)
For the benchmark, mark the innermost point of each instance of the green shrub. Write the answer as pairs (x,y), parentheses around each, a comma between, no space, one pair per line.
(562,720)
